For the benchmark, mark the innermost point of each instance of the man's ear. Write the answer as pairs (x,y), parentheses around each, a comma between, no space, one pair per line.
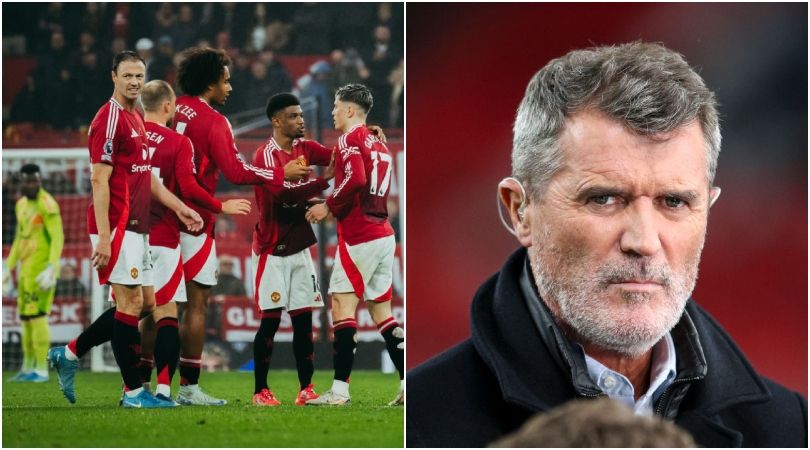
(513,198)
(714,194)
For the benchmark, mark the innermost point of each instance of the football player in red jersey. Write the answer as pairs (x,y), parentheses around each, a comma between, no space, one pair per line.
(118,223)
(172,163)
(285,275)
(204,78)
(363,268)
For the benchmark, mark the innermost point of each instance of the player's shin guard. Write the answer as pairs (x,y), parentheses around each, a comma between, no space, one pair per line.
(99,332)
(40,341)
(344,346)
(167,353)
(126,345)
(394,336)
(303,347)
(263,347)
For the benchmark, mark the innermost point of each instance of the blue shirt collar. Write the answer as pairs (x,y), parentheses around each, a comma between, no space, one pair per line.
(618,387)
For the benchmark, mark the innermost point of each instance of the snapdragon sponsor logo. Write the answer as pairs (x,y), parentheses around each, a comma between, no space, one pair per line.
(140,169)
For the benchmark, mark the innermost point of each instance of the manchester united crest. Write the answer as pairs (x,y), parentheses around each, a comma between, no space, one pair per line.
(133,273)
(275,296)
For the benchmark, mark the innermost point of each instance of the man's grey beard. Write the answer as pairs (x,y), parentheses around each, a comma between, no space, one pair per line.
(574,293)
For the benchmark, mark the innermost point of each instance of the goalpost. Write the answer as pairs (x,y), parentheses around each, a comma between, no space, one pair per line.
(65,175)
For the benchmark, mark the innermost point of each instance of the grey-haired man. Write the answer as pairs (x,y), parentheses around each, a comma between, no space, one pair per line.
(614,154)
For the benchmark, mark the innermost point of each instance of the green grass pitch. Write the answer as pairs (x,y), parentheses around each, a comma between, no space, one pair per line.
(37,415)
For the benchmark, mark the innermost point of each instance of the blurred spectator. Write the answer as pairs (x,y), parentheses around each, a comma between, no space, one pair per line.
(163,62)
(277,35)
(141,21)
(223,41)
(27,106)
(61,101)
(95,19)
(227,282)
(68,285)
(54,18)
(596,423)
(121,20)
(351,24)
(390,15)
(57,181)
(53,60)
(87,43)
(397,109)
(268,77)
(63,35)
(224,227)
(144,48)
(381,60)
(317,84)
(240,81)
(184,31)
(118,45)
(231,18)
(89,93)
(258,34)
(348,68)
(312,24)
(164,20)
(205,22)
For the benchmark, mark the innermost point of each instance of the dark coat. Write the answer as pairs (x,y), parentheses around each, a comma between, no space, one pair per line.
(516,363)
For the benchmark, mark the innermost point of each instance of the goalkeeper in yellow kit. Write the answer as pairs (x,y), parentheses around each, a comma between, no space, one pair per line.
(37,246)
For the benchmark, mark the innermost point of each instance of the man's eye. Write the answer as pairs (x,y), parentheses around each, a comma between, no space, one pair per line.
(674,202)
(603,200)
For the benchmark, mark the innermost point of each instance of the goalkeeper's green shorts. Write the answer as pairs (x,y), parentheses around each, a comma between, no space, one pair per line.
(31,300)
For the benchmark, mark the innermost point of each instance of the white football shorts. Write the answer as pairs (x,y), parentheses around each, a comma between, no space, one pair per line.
(366,269)
(199,258)
(287,282)
(129,262)
(167,273)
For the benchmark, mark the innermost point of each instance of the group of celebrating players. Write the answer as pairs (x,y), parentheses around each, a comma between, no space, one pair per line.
(151,228)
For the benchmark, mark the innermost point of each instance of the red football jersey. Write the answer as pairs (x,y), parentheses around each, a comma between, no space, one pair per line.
(282,229)
(117,137)
(171,158)
(363,168)
(215,150)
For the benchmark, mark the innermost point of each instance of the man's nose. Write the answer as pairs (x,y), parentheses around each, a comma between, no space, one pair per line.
(641,235)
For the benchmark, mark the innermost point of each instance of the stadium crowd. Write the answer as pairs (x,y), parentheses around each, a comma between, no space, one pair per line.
(73,44)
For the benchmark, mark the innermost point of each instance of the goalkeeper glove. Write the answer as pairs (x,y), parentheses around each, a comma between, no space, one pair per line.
(46,279)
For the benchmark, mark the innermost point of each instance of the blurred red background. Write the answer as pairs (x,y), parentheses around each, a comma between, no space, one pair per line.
(468,66)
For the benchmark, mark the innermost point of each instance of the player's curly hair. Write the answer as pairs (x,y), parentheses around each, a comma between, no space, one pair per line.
(200,68)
